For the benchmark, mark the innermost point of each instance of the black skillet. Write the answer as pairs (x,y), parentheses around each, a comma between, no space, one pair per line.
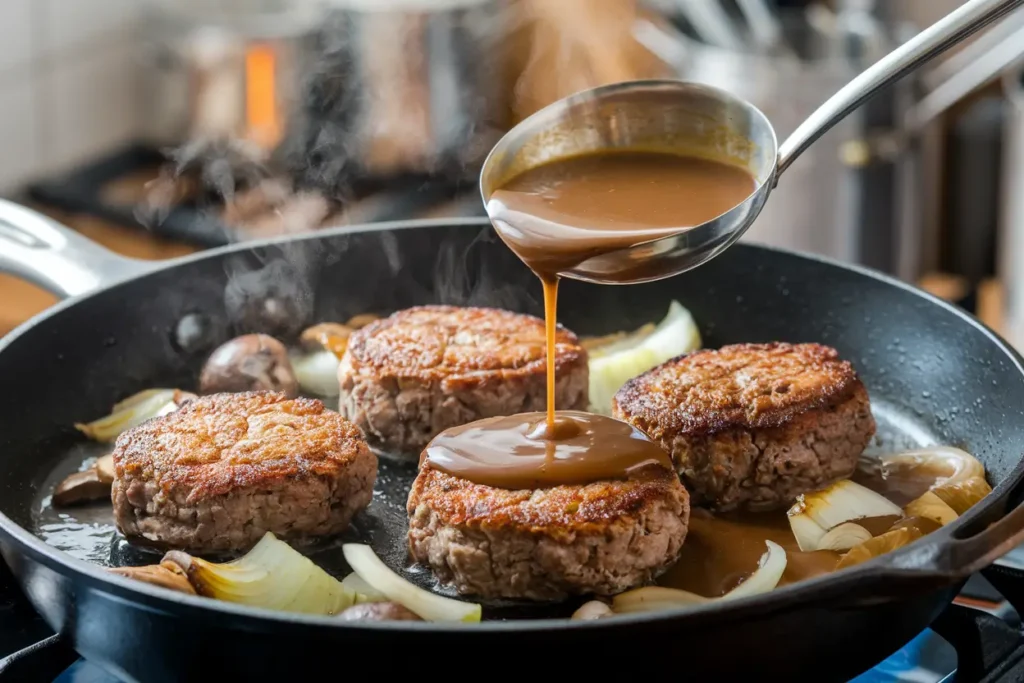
(934,373)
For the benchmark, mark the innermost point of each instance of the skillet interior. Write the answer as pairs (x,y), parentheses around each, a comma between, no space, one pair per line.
(932,376)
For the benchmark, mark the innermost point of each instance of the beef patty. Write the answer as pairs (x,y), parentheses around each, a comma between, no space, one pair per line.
(406,378)
(224,469)
(547,544)
(753,425)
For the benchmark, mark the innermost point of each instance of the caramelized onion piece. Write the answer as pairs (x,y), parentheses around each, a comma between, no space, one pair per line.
(844,537)
(961,495)
(771,567)
(814,514)
(272,575)
(165,574)
(653,599)
(879,545)
(959,476)
(930,506)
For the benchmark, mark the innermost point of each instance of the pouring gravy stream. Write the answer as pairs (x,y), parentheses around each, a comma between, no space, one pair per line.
(553,217)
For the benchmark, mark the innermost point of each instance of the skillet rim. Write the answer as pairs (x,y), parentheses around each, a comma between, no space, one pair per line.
(153,598)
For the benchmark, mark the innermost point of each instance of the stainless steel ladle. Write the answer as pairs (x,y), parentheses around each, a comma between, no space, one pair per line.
(694,119)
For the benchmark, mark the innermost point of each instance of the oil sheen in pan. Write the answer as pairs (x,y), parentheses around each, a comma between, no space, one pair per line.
(88,533)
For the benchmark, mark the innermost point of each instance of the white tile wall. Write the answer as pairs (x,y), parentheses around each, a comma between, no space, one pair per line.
(68,83)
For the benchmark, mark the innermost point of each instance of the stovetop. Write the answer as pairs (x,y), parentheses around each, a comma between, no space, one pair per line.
(978,639)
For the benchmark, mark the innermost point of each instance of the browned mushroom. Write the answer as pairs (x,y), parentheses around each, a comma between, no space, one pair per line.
(252,362)
(165,574)
(330,336)
(86,486)
(378,611)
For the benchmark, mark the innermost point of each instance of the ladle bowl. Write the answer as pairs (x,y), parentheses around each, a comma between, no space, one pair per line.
(697,120)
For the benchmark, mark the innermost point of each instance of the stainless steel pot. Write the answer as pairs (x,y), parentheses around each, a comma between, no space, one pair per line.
(229,68)
(410,86)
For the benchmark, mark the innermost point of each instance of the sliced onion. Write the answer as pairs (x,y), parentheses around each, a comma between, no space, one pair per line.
(844,537)
(842,501)
(930,506)
(654,598)
(429,606)
(272,575)
(879,545)
(961,495)
(133,411)
(317,372)
(771,567)
(806,531)
(595,609)
(363,591)
(945,463)
(769,572)
(959,476)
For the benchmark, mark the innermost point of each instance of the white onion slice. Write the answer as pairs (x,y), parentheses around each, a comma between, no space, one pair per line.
(769,572)
(428,606)
(806,531)
(844,537)
(654,599)
(317,372)
(841,502)
(363,591)
(133,411)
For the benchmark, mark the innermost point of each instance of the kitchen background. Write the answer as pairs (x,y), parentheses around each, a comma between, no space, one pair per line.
(159,127)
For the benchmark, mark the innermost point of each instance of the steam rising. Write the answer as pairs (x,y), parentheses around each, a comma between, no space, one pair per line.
(391,93)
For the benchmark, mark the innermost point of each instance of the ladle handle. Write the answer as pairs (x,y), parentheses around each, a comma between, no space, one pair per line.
(934,40)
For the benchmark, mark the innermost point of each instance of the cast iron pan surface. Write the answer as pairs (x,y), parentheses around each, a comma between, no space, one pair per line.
(934,375)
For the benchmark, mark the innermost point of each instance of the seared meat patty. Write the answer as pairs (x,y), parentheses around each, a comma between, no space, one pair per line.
(547,544)
(753,425)
(408,377)
(224,469)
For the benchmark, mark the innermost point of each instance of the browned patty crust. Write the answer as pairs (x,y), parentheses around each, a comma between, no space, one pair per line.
(753,424)
(406,378)
(224,469)
(544,544)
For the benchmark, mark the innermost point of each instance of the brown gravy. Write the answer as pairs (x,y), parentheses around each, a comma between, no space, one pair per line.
(523,452)
(558,215)
(722,550)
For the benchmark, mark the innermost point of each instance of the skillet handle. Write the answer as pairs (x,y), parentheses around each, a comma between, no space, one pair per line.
(958,558)
(40,250)
(974,553)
